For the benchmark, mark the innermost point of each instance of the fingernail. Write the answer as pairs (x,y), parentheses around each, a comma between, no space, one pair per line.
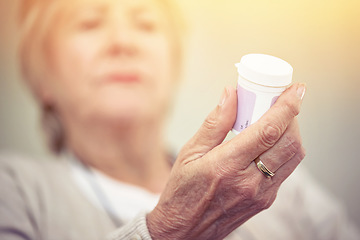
(223,97)
(301,89)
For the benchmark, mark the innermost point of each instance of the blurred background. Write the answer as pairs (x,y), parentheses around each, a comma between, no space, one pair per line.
(320,39)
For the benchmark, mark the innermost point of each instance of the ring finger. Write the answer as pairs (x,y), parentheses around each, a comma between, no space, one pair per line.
(284,150)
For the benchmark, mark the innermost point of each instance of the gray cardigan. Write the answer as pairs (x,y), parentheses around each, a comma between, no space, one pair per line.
(39,200)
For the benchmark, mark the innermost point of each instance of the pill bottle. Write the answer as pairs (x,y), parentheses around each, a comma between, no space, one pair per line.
(262,78)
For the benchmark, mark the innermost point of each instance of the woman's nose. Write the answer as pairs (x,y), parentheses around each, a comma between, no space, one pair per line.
(122,39)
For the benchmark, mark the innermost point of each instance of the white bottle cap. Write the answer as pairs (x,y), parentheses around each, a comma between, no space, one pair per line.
(265,70)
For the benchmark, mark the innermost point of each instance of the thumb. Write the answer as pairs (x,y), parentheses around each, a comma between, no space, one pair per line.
(216,125)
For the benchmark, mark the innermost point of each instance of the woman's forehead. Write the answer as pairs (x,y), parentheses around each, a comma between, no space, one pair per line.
(70,9)
(125,4)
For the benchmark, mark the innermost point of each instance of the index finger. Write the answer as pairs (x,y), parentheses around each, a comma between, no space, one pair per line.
(263,134)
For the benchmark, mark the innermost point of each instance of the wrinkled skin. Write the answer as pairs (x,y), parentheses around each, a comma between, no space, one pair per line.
(215,186)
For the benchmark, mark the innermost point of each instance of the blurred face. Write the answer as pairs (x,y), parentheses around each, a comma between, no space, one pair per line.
(110,60)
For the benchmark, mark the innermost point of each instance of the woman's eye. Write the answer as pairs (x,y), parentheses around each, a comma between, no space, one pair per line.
(147,25)
(90,24)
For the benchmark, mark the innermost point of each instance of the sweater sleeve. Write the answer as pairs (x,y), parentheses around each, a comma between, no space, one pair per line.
(134,230)
(15,221)
(324,215)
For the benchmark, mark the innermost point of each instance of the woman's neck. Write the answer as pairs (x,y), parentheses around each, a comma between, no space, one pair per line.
(132,154)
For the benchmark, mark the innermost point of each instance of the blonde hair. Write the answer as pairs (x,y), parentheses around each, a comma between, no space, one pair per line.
(35,19)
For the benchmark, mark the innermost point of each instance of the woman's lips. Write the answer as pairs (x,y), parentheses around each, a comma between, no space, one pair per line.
(123,78)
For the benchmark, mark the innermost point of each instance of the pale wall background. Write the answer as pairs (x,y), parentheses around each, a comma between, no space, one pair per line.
(321,39)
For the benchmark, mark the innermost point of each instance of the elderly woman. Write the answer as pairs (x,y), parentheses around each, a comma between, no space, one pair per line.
(103,72)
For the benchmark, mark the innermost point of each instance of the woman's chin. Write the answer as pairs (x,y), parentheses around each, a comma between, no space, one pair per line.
(125,114)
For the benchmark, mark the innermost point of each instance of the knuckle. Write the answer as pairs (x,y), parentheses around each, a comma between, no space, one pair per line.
(249,192)
(292,108)
(270,134)
(300,156)
(266,202)
(262,204)
(210,122)
(293,145)
(221,171)
(302,153)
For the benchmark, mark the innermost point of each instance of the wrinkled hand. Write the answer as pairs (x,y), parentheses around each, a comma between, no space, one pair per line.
(215,186)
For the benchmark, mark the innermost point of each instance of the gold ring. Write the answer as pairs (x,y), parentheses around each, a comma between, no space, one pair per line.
(261,166)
